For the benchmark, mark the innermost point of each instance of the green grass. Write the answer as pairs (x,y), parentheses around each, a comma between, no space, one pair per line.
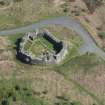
(14,91)
(28,45)
(27,13)
(63,101)
(13,38)
(46,43)
(38,45)
(84,64)
(72,53)
(102,35)
(36,48)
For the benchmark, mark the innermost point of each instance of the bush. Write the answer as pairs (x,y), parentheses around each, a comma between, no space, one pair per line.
(65,101)
(2,3)
(102,35)
(4,102)
(93,4)
(18,0)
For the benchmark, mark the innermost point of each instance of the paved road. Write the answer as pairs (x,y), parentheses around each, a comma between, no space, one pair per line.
(88,46)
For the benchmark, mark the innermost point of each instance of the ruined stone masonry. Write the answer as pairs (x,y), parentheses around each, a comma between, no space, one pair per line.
(54,57)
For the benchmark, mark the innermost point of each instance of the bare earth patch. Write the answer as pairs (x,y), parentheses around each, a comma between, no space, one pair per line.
(3,43)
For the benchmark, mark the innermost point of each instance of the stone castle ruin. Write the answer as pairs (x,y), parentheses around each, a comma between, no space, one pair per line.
(54,57)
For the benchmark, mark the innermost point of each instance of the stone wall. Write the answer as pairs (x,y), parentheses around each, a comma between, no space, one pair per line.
(60,49)
(61,55)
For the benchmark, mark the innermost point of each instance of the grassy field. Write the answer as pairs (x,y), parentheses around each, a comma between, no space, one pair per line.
(83,70)
(72,82)
(36,48)
(18,92)
(24,12)
(46,43)
(78,80)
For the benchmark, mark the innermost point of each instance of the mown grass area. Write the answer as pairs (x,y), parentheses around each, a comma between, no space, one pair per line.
(13,39)
(46,43)
(28,45)
(37,46)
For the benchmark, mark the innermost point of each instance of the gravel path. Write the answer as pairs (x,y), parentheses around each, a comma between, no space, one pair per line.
(88,46)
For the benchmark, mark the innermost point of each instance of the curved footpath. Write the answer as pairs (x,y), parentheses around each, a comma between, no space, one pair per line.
(88,46)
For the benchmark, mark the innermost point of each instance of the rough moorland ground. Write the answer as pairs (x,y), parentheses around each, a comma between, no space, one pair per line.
(79,80)
(23,12)
(88,70)
(7,64)
(18,92)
